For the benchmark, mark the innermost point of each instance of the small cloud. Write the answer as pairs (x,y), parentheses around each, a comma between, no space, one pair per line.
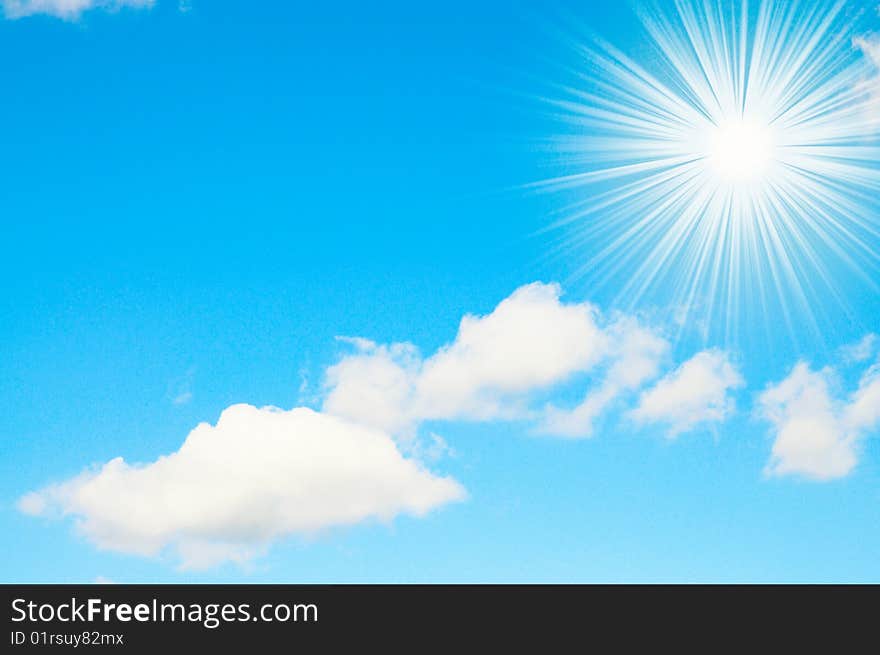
(431,448)
(180,390)
(32,504)
(500,364)
(634,354)
(529,343)
(870,47)
(66,9)
(697,392)
(102,580)
(817,433)
(860,351)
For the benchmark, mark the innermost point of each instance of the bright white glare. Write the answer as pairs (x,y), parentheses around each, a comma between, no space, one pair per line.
(741,150)
(728,165)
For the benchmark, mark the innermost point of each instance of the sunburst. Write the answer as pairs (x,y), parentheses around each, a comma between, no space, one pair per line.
(729,166)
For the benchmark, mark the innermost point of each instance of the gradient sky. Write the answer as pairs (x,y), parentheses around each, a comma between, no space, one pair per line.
(196,203)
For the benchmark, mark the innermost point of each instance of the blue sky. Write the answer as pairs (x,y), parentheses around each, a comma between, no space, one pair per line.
(197,203)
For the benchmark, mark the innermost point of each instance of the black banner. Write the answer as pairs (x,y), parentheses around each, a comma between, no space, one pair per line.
(156,618)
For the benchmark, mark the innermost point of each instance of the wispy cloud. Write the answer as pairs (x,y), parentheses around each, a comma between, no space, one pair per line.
(870,47)
(860,351)
(180,390)
(634,354)
(66,9)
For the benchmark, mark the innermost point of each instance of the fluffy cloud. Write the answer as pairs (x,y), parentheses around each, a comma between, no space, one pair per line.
(863,410)
(635,354)
(817,434)
(232,488)
(375,386)
(530,341)
(498,364)
(66,9)
(696,392)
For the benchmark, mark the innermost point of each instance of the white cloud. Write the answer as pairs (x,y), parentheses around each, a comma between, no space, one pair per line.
(232,488)
(431,448)
(870,46)
(499,364)
(180,390)
(809,437)
(861,350)
(817,434)
(495,367)
(182,398)
(696,392)
(635,353)
(375,386)
(863,410)
(530,341)
(66,9)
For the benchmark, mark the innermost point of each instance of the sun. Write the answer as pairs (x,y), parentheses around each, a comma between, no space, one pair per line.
(741,151)
(728,168)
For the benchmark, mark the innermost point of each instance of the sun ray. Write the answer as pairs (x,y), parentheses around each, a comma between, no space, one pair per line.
(735,170)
